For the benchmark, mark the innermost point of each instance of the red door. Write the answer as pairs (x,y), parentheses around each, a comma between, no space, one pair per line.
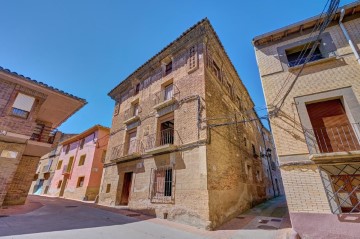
(126,189)
(347,192)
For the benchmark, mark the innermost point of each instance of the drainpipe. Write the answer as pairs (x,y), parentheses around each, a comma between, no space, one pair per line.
(342,14)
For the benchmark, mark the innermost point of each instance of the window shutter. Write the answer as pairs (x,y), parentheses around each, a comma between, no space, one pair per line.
(24,102)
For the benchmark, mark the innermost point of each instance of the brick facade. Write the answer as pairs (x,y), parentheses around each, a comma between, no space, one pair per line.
(21,141)
(210,184)
(336,76)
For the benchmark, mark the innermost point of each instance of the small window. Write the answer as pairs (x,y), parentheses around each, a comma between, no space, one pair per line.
(103,156)
(216,70)
(135,109)
(80,182)
(168,68)
(137,89)
(59,165)
(245,141)
(82,142)
(22,105)
(67,149)
(297,55)
(59,184)
(192,58)
(253,149)
(108,187)
(82,160)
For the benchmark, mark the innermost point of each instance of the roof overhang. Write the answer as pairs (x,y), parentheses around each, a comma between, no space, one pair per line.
(276,35)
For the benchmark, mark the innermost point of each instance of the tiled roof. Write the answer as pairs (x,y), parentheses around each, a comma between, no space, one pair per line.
(157,54)
(41,84)
(177,39)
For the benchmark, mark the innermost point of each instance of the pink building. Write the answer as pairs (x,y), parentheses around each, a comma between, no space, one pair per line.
(80,165)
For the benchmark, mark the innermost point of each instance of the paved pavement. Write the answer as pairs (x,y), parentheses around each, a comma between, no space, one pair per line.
(44,217)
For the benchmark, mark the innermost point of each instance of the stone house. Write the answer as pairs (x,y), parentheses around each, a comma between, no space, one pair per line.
(316,131)
(179,146)
(80,165)
(30,112)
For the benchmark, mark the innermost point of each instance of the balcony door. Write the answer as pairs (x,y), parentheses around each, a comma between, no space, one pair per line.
(132,143)
(331,127)
(167,132)
(169,92)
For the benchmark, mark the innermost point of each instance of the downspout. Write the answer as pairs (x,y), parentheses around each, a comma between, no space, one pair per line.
(353,48)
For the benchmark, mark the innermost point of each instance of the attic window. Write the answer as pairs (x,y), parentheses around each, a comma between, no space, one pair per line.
(168,68)
(137,89)
(297,55)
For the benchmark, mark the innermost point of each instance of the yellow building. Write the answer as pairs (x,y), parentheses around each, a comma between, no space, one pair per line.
(316,131)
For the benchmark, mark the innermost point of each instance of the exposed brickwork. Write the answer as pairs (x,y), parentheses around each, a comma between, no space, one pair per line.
(333,77)
(19,187)
(211,184)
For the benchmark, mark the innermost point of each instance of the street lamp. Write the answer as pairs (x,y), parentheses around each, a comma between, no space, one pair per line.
(268,156)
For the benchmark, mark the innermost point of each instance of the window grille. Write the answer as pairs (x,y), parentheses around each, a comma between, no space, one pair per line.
(192,58)
(162,185)
(342,187)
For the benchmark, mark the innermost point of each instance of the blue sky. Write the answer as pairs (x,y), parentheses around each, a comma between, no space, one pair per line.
(86,47)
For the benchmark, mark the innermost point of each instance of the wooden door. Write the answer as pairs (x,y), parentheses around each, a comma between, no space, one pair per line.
(126,189)
(331,127)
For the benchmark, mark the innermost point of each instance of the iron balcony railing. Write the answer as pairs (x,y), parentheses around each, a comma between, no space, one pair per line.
(43,134)
(168,93)
(164,137)
(131,112)
(341,138)
(302,60)
(130,148)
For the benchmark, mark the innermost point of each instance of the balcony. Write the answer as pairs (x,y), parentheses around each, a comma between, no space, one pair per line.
(132,114)
(167,96)
(43,134)
(333,143)
(130,150)
(160,142)
(45,169)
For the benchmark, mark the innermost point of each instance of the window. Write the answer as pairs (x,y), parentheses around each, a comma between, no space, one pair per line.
(297,55)
(135,109)
(59,184)
(82,160)
(22,105)
(168,68)
(168,92)
(137,89)
(216,70)
(192,58)
(131,142)
(117,108)
(9,154)
(162,183)
(67,149)
(108,187)
(82,142)
(103,156)
(80,182)
(245,141)
(254,150)
(59,165)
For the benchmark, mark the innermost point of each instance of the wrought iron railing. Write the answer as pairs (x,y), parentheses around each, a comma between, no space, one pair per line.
(44,134)
(131,112)
(341,138)
(342,187)
(130,148)
(164,137)
(302,60)
(166,94)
